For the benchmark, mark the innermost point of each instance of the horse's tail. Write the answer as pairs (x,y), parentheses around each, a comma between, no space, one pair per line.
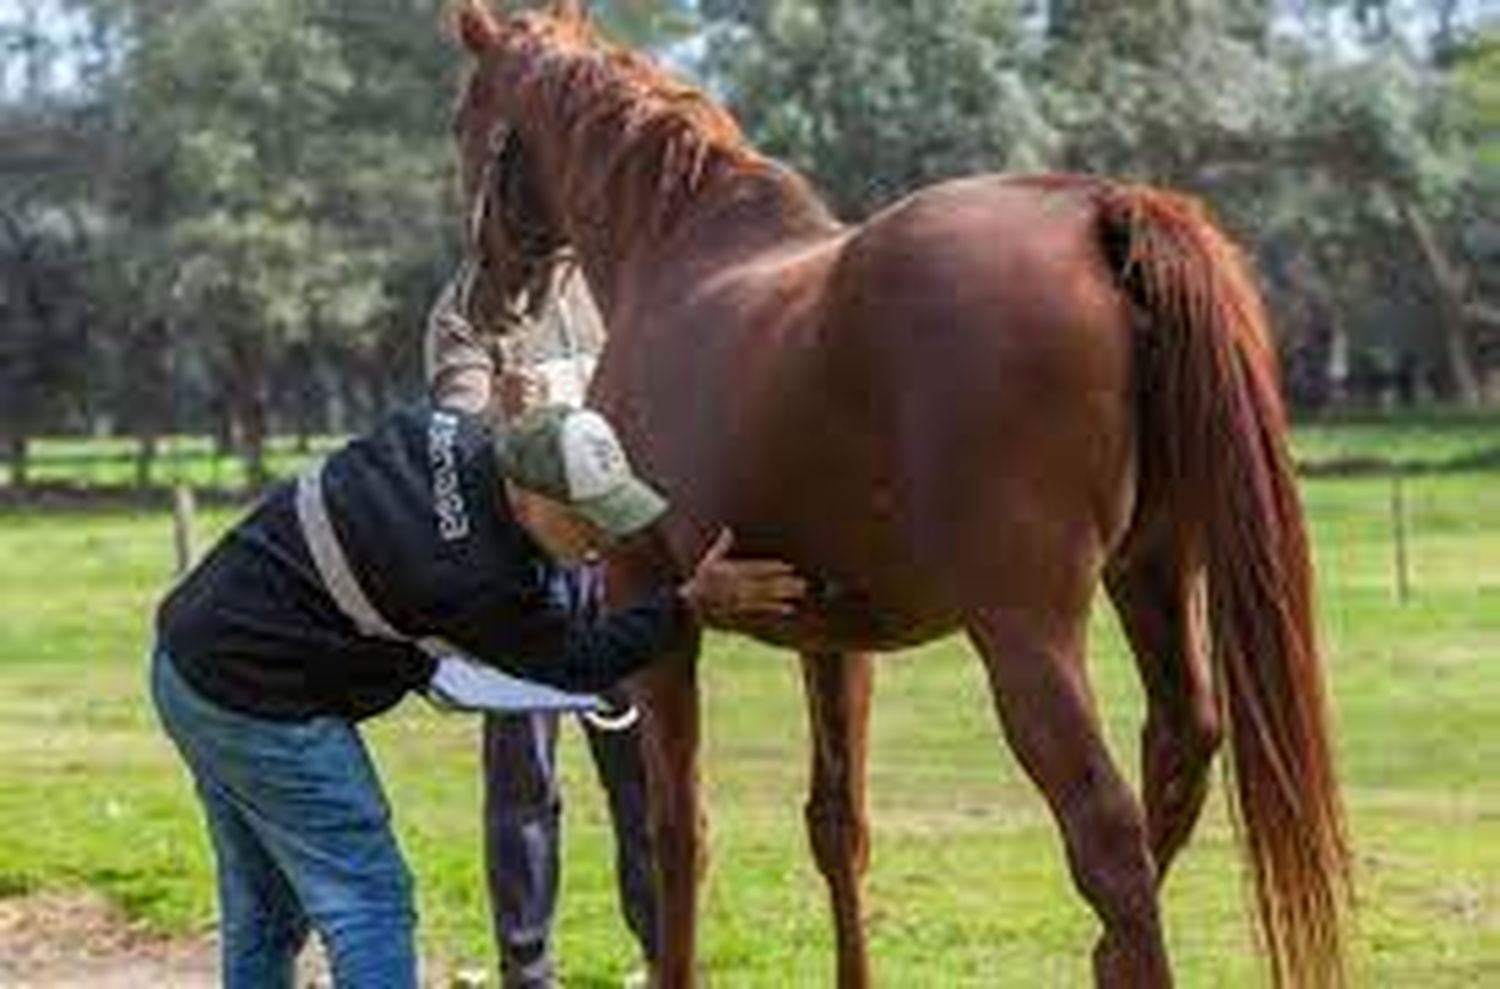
(1215,468)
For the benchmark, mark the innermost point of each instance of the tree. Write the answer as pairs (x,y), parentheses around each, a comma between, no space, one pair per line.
(1162,90)
(285,182)
(45,159)
(42,355)
(1388,132)
(874,99)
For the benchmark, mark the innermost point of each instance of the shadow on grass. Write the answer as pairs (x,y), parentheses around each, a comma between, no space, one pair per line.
(1472,461)
(16,884)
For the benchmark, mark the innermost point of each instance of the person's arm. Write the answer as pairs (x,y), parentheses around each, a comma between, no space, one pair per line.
(561,635)
(460,368)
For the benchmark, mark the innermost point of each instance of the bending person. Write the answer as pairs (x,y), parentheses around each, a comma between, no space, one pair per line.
(327,605)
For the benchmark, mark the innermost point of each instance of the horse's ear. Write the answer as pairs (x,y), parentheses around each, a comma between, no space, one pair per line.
(477,26)
(570,10)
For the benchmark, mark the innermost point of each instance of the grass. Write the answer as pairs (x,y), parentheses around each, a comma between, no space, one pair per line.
(1432,440)
(967,888)
(111,462)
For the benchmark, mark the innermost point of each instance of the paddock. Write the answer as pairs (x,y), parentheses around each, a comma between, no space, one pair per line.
(968,885)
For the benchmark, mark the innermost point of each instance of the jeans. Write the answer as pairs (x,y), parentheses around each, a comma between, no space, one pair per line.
(523,810)
(301,832)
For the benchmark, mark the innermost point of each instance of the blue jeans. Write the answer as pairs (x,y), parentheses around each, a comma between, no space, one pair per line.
(302,834)
(523,809)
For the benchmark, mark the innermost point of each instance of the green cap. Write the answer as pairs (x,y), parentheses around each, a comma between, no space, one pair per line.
(573,456)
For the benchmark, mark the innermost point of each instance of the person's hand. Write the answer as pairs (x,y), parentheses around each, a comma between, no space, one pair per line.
(519,390)
(724,593)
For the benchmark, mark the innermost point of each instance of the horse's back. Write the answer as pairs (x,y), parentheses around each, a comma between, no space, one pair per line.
(1014,262)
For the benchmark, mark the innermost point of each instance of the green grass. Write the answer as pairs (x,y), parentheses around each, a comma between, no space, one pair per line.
(111,462)
(967,887)
(1432,440)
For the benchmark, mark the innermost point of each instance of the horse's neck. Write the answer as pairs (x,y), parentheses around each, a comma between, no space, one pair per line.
(731,220)
(763,211)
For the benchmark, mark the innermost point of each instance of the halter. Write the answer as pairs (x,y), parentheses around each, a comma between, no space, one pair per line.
(533,244)
(497,185)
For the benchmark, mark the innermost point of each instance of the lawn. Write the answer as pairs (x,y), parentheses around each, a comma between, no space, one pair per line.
(1438,439)
(111,461)
(967,886)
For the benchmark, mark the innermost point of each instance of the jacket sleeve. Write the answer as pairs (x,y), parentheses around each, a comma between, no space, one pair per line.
(460,369)
(561,635)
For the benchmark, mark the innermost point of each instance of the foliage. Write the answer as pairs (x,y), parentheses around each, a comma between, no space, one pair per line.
(269,189)
(42,326)
(295,204)
(876,99)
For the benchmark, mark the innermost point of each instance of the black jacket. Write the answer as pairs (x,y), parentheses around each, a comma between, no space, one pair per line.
(419,508)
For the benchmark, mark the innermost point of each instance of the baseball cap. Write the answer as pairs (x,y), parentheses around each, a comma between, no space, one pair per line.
(572,456)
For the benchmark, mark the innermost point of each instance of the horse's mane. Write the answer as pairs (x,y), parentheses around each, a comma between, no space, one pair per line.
(660,137)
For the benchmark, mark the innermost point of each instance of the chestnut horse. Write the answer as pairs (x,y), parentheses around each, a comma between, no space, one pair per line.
(965,413)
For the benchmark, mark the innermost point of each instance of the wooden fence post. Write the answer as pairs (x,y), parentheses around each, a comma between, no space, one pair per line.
(1398,534)
(183,512)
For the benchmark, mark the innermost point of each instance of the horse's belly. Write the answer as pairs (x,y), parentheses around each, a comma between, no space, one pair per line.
(842,619)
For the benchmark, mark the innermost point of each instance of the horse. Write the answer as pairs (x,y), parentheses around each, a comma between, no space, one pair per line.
(969,412)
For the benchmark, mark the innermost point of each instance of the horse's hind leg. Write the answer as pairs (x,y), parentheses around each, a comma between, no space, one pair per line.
(838,699)
(1045,706)
(1183,732)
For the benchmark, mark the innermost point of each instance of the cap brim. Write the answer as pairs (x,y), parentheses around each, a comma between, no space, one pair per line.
(629,508)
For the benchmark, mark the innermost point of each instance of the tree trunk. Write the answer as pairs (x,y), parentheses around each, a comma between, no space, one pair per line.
(145,457)
(248,385)
(1460,360)
(303,413)
(377,388)
(18,453)
(223,429)
(1451,286)
(150,364)
(253,426)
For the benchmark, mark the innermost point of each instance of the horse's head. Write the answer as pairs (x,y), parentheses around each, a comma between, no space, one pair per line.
(568,141)
(517,240)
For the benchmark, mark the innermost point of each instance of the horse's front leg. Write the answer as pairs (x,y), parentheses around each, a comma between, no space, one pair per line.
(668,694)
(838,701)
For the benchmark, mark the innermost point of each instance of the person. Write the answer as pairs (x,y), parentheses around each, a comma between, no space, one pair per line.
(522,795)
(347,589)
(522,821)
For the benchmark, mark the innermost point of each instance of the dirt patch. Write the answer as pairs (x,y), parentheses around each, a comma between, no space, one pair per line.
(81,941)
(72,940)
